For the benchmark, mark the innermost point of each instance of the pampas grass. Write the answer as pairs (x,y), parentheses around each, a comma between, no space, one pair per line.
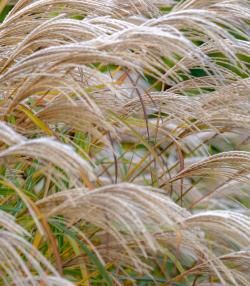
(124,143)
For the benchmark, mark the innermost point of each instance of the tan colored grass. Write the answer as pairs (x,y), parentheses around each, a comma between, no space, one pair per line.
(110,114)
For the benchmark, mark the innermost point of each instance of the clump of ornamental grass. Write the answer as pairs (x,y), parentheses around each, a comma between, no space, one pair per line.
(124,143)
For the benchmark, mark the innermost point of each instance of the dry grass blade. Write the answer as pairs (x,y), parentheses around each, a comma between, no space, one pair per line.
(224,164)
(9,136)
(13,249)
(48,152)
(146,219)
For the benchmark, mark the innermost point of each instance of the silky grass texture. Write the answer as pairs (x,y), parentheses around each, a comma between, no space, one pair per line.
(125,142)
